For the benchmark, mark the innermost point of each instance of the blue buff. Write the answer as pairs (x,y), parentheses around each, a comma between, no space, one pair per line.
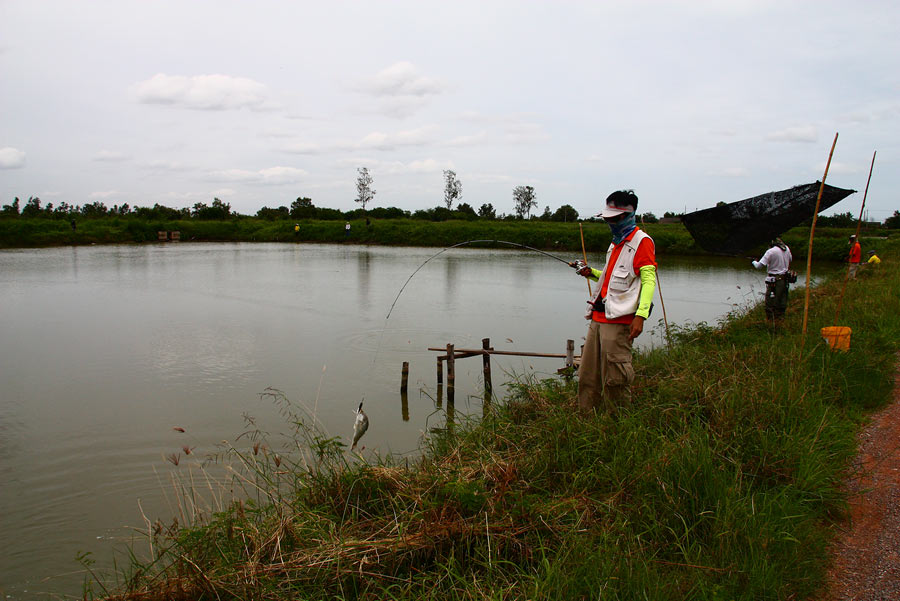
(622,228)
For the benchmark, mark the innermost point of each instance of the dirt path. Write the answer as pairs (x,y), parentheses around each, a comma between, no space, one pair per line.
(866,556)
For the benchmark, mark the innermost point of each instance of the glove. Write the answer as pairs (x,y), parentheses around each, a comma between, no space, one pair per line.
(757,264)
(581,268)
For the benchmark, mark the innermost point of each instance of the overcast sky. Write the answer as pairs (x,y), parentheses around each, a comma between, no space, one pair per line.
(257,103)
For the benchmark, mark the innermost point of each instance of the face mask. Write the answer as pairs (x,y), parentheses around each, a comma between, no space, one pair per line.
(622,227)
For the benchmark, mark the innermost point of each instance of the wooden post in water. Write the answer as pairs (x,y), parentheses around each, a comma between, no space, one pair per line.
(404,376)
(486,362)
(451,374)
(440,371)
(404,405)
(570,353)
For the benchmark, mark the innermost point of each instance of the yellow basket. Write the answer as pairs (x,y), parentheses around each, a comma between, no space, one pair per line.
(837,337)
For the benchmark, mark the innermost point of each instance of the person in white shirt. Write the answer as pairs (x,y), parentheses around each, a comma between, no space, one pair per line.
(777,261)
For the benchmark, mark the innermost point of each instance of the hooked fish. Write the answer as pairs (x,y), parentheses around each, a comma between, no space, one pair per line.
(360,425)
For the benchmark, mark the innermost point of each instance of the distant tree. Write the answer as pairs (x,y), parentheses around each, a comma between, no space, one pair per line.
(219,211)
(303,208)
(649,218)
(840,220)
(565,213)
(160,212)
(64,210)
(281,212)
(364,191)
(892,222)
(388,213)
(525,200)
(466,209)
(669,214)
(125,209)
(452,188)
(94,209)
(32,207)
(487,211)
(12,209)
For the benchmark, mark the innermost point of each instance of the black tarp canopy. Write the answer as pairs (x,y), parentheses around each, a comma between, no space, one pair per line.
(736,227)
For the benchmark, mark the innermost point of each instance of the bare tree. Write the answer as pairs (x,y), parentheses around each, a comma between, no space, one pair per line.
(364,191)
(525,200)
(452,188)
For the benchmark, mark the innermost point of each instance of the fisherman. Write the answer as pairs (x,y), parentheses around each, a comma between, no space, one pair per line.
(777,261)
(347,230)
(620,304)
(854,257)
(873,258)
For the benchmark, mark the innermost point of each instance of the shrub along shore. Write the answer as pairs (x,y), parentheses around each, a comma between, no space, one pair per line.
(722,480)
(671,239)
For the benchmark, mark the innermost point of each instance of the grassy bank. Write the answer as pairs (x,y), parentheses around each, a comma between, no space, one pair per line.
(720,481)
(671,239)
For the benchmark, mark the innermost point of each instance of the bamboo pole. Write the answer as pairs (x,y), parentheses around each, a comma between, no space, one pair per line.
(584,254)
(812,233)
(858,226)
(663,303)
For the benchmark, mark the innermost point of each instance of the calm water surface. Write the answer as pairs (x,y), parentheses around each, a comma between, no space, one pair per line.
(104,350)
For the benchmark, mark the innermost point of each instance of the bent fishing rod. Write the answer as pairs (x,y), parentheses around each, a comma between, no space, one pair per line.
(537,250)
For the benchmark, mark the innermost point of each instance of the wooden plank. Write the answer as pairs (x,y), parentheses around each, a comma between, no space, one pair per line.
(461,353)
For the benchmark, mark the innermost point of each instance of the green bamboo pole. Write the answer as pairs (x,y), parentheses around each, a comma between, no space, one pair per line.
(812,233)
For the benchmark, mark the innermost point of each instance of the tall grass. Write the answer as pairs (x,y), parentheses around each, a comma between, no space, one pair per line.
(722,480)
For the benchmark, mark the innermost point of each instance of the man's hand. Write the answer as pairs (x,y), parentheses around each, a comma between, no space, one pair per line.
(581,268)
(637,326)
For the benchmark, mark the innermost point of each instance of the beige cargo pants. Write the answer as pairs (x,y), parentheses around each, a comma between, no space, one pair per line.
(605,374)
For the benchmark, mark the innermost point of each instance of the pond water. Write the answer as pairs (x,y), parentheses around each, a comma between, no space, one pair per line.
(107,351)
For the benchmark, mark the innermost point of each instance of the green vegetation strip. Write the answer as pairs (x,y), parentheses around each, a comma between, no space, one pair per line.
(722,480)
(671,239)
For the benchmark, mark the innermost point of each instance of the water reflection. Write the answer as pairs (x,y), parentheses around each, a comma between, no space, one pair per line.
(105,349)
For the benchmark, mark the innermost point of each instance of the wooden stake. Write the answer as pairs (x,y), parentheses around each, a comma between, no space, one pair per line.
(858,225)
(451,369)
(584,254)
(486,364)
(812,233)
(404,376)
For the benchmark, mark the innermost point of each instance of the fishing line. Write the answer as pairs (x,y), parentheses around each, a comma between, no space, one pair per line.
(425,262)
(463,244)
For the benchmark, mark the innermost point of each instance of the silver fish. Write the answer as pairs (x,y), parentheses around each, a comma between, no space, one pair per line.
(359,426)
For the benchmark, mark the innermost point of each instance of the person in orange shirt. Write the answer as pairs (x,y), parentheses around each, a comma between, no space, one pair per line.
(854,257)
(620,304)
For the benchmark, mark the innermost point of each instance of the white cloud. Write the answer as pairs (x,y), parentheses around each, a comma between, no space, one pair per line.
(202,92)
(402,79)
(11,158)
(104,193)
(402,91)
(303,148)
(802,134)
(469,140)
(412,137)
(110,156)
(733,172)
(269,176)
(377,167)
(160,165)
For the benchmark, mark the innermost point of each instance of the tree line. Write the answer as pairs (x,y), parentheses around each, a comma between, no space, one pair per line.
(524,202)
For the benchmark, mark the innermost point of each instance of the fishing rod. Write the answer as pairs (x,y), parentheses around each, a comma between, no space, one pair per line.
(537,250)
